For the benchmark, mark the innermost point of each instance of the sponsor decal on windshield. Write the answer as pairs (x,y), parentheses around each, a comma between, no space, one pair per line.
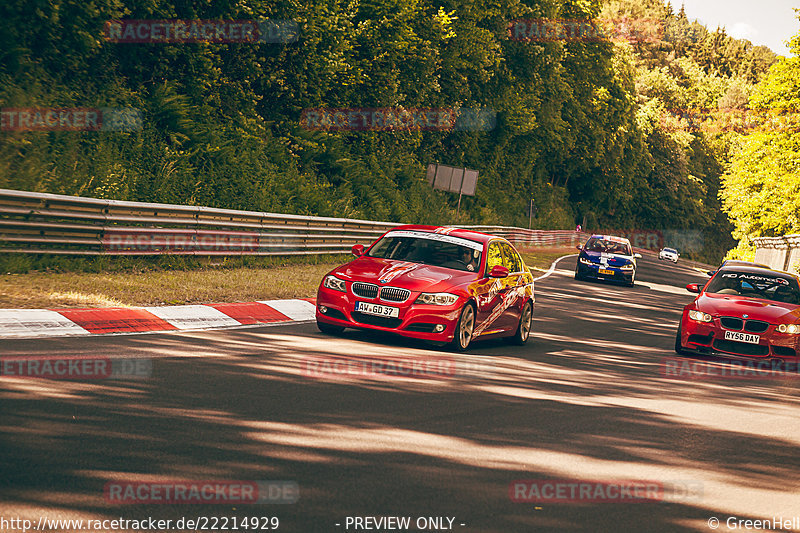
(755,277)
(437,237)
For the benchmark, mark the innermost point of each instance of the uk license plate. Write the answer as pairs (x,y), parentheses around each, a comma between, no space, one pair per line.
(606,271)
(742,337)
(377,310)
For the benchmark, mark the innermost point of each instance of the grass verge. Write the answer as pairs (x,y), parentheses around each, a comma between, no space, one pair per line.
(159,282)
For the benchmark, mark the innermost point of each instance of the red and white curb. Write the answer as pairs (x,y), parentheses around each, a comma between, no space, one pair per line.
(37,323)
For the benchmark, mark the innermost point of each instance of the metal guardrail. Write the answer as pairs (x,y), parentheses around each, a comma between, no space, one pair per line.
(782,253)
(56,224)
(535,237)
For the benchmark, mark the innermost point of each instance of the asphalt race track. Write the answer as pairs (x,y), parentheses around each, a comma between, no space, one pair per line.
(589,399)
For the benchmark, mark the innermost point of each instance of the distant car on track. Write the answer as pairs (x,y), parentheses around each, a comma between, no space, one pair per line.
(670,254)
(743,310)
(431,283)
(606,257)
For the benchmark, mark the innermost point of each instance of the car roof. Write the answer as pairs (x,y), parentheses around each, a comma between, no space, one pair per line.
(739,262)
(612,238)
(752,268)
(455,232)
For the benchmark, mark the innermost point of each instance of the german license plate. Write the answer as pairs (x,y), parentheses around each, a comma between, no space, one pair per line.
(742,337)
(606,271)
(377,310)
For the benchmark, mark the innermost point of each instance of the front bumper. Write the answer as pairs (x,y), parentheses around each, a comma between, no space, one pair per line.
(415,320)
(709,339)
(593,271)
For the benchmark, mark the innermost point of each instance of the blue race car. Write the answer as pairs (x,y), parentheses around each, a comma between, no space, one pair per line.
(606,257)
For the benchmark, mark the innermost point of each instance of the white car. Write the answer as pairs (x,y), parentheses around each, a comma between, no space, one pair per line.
(669,253)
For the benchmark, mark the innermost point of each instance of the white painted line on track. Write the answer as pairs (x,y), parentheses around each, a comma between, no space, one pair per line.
(193,316)
(36,323)
(295,309)
(553,267)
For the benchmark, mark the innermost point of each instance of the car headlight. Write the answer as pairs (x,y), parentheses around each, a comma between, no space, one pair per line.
(585,261)
(792,329)
(699,316)
(629,266)
(332,282)
(436,298)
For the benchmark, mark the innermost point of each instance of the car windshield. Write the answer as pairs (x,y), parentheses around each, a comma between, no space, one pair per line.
(761,286)
(670,250)
(430,249)
(607,246)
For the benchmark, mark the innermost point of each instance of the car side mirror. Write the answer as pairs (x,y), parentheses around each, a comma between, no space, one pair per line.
(637,256)
(579,247)
(498,271)
(358,250)
(694,287)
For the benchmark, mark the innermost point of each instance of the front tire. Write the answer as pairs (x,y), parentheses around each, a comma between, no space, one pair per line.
(329,329)
(464,329)
(523,332)
(679,349)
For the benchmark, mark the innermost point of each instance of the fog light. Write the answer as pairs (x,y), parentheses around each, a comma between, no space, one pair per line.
(323,309)
(438,328)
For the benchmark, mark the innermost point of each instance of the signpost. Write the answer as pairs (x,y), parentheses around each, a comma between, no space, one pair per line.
(453,179)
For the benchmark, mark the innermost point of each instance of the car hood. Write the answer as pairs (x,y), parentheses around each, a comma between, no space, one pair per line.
(730,305)
(611,259)
(412,276)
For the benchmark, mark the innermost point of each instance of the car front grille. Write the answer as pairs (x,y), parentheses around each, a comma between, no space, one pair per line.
(730,322)
(393,294)
(741,348)
(756,326)
(365,290)
(388,294)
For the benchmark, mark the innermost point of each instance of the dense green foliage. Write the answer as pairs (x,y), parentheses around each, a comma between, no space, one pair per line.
(762,187)
(587,129)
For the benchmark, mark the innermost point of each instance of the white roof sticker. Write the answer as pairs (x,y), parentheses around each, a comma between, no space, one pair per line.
(437,237)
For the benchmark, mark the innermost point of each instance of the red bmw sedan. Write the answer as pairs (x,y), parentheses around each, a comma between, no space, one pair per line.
(743,310)
(431,283)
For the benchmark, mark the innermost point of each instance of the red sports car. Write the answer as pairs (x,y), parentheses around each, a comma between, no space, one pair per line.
(743,310)
(432,283)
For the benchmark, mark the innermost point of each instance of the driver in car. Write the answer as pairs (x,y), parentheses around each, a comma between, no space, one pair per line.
(468,258)
(730,286)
